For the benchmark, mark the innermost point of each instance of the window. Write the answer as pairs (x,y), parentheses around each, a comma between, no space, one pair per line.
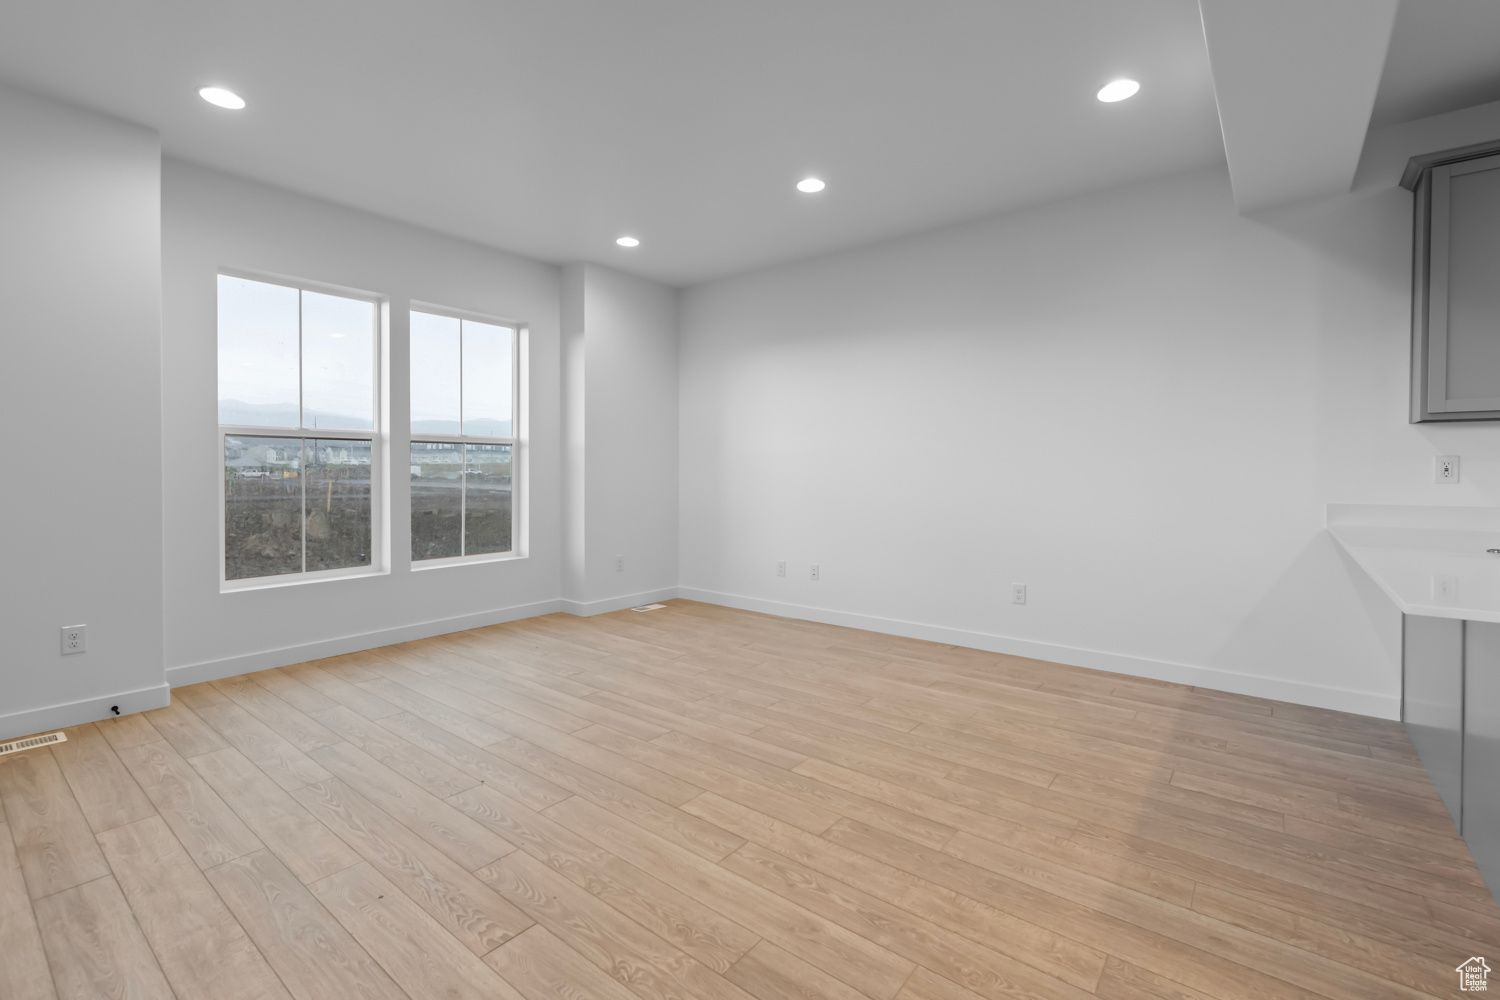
(463,426)
(297,424)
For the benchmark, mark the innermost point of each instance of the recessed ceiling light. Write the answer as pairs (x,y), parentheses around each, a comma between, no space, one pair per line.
(1118,90)
(810,185)
(628,241)
(219,97)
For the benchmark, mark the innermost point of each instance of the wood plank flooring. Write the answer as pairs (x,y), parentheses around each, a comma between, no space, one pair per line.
(698,803)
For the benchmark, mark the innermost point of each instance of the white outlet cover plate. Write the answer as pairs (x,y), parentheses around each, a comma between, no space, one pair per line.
(69,646)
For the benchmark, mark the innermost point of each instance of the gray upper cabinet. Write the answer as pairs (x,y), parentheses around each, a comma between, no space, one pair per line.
(1456,285)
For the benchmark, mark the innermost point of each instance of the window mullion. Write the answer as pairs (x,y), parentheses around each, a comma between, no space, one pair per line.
(301,425)
(302,524)
(515,429)
(463,453)
(301,417)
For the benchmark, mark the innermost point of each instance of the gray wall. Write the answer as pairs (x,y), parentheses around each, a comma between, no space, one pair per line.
(620,425)
(212,220)
(80,388)
(110,373)
(1136,402)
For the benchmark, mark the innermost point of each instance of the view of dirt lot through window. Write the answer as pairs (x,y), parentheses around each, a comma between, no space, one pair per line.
(282,495)
(443,477)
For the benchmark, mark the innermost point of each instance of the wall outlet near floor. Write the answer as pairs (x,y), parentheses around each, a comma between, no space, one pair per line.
(1445,469)
(75,639)
(815,572)
(781,567)
(1018,593)
(619,564)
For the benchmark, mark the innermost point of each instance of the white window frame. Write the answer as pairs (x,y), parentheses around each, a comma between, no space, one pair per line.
(518,353)
(376,436)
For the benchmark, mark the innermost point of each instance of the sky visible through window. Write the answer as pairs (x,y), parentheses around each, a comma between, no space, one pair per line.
(455,389)
(258,357)
(451,396)
(434,374)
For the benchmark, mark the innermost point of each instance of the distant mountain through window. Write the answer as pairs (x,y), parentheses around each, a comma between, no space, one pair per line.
(237,413)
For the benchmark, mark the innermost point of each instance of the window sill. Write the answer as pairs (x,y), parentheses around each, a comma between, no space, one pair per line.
(299,579)
(426,564)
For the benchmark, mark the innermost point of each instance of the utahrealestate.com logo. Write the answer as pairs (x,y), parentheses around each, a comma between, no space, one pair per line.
(1472,975)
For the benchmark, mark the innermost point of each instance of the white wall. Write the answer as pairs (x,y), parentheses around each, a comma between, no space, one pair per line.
(212,220)
(1137,403)
(80,305)
(574,519)
(620,425)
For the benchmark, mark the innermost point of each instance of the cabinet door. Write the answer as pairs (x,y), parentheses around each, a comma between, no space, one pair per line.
(1432,706)
(1461,355)
(1481,806)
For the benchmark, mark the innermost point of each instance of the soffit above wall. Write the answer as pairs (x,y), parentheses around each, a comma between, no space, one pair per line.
(1295,83)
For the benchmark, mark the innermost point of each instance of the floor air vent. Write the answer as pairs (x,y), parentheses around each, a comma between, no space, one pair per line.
(648,607)
(16,746)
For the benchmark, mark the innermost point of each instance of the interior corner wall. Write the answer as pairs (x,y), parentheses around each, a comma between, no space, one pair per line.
(620,416)
(1137,403)
(573,515)
(213,220)
(80,295)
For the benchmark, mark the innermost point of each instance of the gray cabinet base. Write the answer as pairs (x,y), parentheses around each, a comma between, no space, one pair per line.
(1481,755)
(1432,702)
(1450,703)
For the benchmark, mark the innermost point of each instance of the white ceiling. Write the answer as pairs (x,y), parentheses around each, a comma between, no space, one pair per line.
(549,127)
(1445,55)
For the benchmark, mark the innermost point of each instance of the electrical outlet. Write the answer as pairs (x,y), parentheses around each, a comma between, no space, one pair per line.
(75,639)
(1445,469)
(619,564)
(781,567)
(815,572)
(1018,593)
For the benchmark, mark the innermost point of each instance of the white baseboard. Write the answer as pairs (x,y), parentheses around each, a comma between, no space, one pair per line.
(76,713)
(1296,692)
(1314,695)
(586,608)
(232,666)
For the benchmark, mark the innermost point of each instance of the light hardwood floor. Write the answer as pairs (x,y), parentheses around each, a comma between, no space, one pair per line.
(705,803)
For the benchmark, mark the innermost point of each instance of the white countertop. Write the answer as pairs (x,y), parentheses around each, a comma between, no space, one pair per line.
(1429,560)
